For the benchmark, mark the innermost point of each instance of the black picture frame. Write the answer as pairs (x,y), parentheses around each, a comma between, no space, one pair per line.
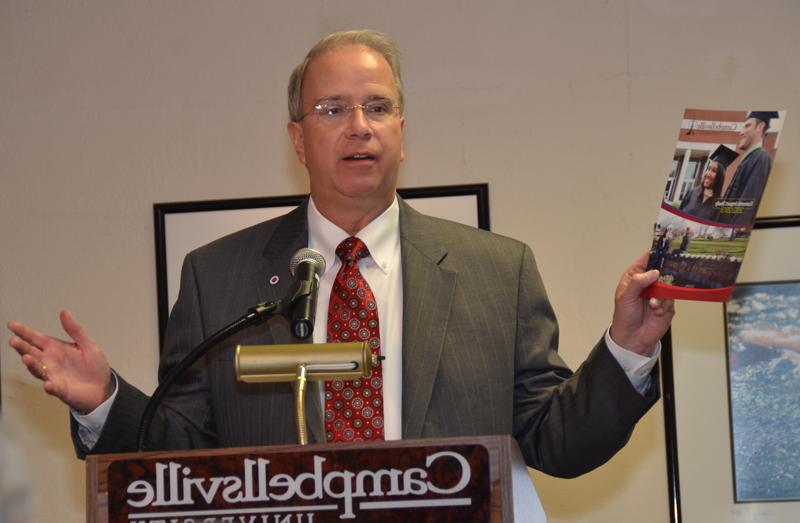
(755,257)
(466,197)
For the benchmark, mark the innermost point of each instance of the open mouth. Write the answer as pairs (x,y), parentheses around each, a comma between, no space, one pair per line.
(359,157)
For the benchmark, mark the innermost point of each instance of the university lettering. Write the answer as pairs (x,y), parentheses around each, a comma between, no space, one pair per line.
(176,486)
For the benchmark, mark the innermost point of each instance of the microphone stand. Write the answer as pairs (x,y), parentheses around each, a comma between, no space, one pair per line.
(255,315)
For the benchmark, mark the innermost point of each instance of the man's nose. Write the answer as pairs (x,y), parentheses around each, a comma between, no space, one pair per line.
(357,122)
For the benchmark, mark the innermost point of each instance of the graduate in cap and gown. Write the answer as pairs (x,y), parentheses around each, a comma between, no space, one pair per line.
(750,178)
(699,202)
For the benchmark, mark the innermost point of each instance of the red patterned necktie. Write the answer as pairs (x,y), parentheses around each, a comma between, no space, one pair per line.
(354,408)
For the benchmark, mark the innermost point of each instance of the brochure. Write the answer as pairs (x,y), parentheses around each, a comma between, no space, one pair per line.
(719,170)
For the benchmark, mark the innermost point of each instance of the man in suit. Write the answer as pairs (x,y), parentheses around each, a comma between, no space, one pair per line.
(469,336)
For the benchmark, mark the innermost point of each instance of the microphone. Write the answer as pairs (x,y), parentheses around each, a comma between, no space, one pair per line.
(307,266)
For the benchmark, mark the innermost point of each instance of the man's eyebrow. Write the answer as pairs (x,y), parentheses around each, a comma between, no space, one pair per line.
(334,98)
(378,97)
(343,98)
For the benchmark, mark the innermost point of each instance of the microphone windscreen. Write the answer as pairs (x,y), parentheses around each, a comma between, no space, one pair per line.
(308,255)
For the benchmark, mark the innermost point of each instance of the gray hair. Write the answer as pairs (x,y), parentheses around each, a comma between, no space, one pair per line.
(375,40)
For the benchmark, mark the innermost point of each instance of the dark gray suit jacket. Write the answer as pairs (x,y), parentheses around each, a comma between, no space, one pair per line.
(479,352)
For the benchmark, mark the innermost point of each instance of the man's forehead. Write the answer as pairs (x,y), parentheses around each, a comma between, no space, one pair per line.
(351,50)
(347,98)
(348,65)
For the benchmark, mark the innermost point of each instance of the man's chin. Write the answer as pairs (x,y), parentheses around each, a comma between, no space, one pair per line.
(369,195)
(355,193)
(366,184)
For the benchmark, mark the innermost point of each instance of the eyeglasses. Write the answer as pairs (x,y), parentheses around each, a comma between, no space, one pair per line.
(335,111)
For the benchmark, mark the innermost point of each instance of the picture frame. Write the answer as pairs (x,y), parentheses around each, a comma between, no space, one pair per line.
(695,387)
(181,227)
(763,358)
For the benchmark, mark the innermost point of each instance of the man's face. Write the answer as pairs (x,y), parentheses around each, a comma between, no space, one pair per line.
(751,133)
(354,162)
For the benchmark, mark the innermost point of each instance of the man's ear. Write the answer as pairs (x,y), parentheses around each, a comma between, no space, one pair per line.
(402,140)
(295,130)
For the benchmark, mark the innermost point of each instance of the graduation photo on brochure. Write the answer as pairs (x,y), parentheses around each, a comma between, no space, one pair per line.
(718,174)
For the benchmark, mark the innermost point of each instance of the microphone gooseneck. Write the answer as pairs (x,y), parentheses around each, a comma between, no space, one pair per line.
(307,266)
(254,315)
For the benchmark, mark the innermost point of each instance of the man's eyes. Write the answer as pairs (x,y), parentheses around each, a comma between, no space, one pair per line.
(377,107)
(332,109)
(335,110)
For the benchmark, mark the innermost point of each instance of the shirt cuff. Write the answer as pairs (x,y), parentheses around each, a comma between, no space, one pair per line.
(636,366)
(90,425)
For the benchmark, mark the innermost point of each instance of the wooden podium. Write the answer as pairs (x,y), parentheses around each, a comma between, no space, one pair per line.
(480,478)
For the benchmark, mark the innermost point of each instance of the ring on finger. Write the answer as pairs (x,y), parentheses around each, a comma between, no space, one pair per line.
(44,372)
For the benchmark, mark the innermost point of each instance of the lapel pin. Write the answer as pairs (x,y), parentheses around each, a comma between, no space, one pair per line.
(274,279)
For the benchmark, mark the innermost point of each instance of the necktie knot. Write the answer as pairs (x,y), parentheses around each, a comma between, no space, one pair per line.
(351,250)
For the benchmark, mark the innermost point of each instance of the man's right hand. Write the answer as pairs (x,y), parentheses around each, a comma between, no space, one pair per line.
(76,372)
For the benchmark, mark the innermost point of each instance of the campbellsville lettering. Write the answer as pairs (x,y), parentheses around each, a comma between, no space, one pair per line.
(176,486)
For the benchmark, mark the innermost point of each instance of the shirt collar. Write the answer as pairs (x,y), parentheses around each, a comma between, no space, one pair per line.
(381,235)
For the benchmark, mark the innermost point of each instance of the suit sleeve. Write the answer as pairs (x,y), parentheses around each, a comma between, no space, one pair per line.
(184,418)
(567,423)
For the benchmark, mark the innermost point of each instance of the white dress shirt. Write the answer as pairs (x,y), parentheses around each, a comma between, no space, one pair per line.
(384,274)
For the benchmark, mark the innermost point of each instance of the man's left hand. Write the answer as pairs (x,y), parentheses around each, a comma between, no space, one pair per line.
(638,322)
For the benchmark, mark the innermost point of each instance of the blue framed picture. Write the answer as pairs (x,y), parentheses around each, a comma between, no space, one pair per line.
(731,391)
(763,346)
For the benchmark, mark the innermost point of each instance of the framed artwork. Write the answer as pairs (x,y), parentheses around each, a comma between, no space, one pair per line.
(181,227)
(763,349)
(731,383)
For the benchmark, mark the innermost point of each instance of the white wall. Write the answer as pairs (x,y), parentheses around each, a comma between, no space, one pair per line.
(568,109)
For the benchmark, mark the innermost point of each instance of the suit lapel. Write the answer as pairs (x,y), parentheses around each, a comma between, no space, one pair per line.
(428,291)
(289,236)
